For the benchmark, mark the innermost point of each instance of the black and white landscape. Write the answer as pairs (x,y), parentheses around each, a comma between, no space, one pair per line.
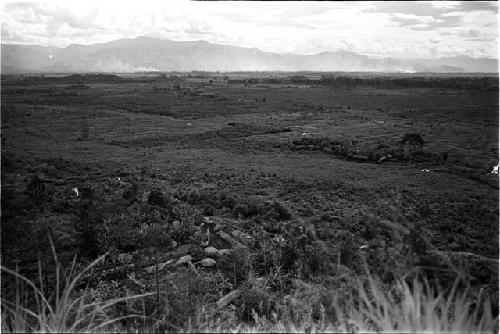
(221,166)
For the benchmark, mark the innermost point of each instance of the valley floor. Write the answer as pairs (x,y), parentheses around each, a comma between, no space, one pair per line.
(302,187)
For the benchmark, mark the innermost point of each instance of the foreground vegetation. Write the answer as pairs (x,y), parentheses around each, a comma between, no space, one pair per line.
(171,265)
(413,306)
(149,204)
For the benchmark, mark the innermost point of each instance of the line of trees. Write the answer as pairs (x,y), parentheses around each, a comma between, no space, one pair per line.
(384,82)
(467,83)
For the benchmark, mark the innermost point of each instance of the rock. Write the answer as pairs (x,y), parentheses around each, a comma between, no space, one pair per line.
(230,297)
(184,259)
(208,262)
(211,251)
(222,252)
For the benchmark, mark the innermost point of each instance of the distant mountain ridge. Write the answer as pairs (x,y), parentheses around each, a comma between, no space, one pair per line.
(153,54)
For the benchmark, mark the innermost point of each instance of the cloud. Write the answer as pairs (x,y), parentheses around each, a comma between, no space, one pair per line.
(442,22)
(403,22)
(292,24)
(424,16)
(431,8)
(409,20)
(406,7)
(469,33)
(196,31)
(386,29)
(479,39)
(470,6)
(444,14)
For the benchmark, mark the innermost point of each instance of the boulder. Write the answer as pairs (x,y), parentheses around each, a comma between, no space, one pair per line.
(230,297)
(211,251)
(183,260)
(208,262)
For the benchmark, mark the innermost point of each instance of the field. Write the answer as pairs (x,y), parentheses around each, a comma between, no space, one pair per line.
(300,185)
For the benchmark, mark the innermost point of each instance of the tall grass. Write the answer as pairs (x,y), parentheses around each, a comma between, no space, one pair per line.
(413,307)
(406,307)
(63,311)
(418,307)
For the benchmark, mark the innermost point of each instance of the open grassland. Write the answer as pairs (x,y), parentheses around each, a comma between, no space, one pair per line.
(255,205)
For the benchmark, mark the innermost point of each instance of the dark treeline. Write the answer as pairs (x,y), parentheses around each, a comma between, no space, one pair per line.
(383,82)
(470,83)
(484,83)
(69,79)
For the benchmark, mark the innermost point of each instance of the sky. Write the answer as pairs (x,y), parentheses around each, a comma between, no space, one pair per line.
(424,29)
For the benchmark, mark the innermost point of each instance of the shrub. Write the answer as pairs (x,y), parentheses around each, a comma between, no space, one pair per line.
(123,231)
(320,258)
(236,266)
(204,197)
(132,193)
(267,255)
(36,190)
(255,301)
(308,303)
(187,218)
(91,217)
(278,212)
(227,199)
(256,206)
(347,246)
(157,198)
(8,162)
(241,210)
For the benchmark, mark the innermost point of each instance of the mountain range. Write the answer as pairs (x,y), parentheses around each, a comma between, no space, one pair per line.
(153,54)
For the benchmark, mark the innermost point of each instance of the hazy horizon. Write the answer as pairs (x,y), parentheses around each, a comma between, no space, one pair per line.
(201,40)
(405,30)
